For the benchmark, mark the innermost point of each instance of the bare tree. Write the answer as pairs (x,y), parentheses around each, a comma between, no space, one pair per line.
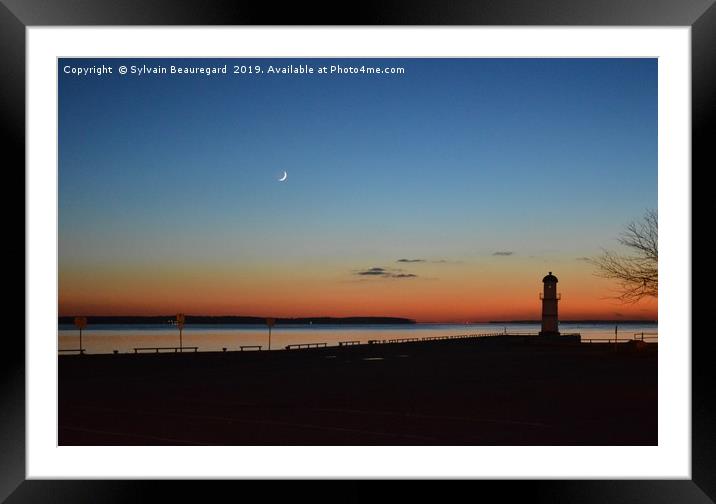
(637,274)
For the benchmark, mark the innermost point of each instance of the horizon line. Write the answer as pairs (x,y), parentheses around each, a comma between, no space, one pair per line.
(486,321)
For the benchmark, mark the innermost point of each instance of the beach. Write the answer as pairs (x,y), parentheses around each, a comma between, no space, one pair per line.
(492,391)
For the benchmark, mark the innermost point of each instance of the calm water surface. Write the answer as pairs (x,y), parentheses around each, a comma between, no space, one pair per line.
(213,338)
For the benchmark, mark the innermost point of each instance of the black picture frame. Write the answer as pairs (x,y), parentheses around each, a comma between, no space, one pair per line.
(700,15)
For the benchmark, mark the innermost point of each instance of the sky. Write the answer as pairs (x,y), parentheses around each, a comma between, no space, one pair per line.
(442,194)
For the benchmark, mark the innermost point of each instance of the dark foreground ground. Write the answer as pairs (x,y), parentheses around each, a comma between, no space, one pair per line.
(442,392)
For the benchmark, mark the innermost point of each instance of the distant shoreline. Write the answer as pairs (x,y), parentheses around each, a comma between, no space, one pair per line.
(250,320)
(233,319)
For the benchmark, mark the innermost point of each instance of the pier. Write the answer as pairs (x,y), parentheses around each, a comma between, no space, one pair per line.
(500,338)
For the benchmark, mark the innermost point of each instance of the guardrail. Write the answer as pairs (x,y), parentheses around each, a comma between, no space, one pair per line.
(470,336)
(436,338)
(305,345)
(640,336)
(615,340)
(461,337)
(157,349)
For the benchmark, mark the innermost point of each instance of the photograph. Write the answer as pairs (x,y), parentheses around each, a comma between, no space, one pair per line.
(357,251)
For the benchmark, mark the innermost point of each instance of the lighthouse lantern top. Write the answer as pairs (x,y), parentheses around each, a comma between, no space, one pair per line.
(550,278)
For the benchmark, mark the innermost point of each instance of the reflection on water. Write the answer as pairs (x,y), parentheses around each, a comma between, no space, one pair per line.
(124,338)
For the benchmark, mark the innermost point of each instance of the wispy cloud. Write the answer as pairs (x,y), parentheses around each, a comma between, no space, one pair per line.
(503,253)
(377,271)
(427,261)
(372,272)
(584,259)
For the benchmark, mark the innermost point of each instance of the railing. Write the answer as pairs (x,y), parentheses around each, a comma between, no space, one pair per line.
(395,340)
(451,337)
(157,349)
(305,345)
(436,338)
(471,336)
(617,340)
(640,336)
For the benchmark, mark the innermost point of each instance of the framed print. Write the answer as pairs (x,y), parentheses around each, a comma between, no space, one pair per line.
(420,247)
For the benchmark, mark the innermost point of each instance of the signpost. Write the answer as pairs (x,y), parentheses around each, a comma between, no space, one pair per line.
(270,323)
(180,325)
(80,323)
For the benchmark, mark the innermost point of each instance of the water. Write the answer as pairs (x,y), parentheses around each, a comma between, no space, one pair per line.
(212,338)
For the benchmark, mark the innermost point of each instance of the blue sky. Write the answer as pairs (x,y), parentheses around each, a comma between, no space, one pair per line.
(454,159)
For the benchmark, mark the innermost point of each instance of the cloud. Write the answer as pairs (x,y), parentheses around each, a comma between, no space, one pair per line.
(372,272)
(503,253)
(384,273)
(425,261)
(585,259)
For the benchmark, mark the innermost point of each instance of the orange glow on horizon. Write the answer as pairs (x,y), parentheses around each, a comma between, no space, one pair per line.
(464,293)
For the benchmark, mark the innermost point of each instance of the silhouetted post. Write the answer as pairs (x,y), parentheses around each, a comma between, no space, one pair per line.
(80,323)
(270,322)
(616,335)
(180,324)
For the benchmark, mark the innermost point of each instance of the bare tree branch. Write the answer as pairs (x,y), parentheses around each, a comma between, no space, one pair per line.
(637,275)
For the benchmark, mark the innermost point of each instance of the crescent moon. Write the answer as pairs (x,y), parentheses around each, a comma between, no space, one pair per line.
(285,176)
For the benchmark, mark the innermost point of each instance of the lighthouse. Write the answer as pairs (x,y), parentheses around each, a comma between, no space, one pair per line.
(550,298)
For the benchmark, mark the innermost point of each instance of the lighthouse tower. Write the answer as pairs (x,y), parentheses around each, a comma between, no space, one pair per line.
(550,298)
